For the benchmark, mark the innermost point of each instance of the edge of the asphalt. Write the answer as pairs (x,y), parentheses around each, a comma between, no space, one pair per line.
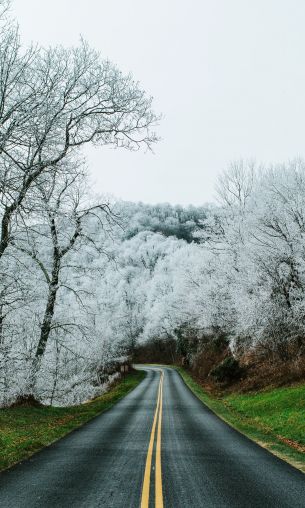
(282,458)
(75,429)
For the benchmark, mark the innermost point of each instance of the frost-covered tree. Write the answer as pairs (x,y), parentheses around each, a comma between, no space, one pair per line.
(53,102)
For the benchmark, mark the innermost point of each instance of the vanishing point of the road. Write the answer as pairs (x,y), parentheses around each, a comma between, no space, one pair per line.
(157,447)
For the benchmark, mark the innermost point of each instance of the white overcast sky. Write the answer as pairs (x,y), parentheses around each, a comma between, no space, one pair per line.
(228,76)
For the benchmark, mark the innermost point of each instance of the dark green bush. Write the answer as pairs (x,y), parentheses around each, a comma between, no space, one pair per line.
(228,370)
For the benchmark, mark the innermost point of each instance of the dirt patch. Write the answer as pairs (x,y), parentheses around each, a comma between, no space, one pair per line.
(26,401)
(293,444)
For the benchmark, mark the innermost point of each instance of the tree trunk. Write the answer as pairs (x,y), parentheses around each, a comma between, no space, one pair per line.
(46,323)
(4,239)
(1,323)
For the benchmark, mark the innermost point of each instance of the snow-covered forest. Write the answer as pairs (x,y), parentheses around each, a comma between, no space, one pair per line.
(84,282)
(237,289)
(191,277)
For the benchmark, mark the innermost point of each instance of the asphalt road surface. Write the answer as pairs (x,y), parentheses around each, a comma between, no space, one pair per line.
(158,447)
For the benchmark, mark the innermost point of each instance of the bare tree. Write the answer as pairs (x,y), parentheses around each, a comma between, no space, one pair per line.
(235,185)
(51,103)
(61,202)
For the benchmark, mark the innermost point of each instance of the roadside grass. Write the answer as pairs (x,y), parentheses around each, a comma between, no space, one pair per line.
(25,430)
(275,418)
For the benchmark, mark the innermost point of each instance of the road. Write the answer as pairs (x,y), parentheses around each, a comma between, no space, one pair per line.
(158,447)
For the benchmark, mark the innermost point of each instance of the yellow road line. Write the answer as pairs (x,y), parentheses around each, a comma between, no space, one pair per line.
(158,479)
(146,482)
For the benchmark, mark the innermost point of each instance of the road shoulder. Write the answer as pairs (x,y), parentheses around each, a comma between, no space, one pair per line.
(264,436)
(26,430)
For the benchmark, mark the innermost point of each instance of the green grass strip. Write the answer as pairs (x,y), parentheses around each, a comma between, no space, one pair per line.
(275,419)
(25,430)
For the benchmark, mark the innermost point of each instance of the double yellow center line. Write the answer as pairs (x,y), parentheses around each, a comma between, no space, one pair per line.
(158,472)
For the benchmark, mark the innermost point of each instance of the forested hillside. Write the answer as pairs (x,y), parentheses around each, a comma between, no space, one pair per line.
(231,306)
(220,288)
